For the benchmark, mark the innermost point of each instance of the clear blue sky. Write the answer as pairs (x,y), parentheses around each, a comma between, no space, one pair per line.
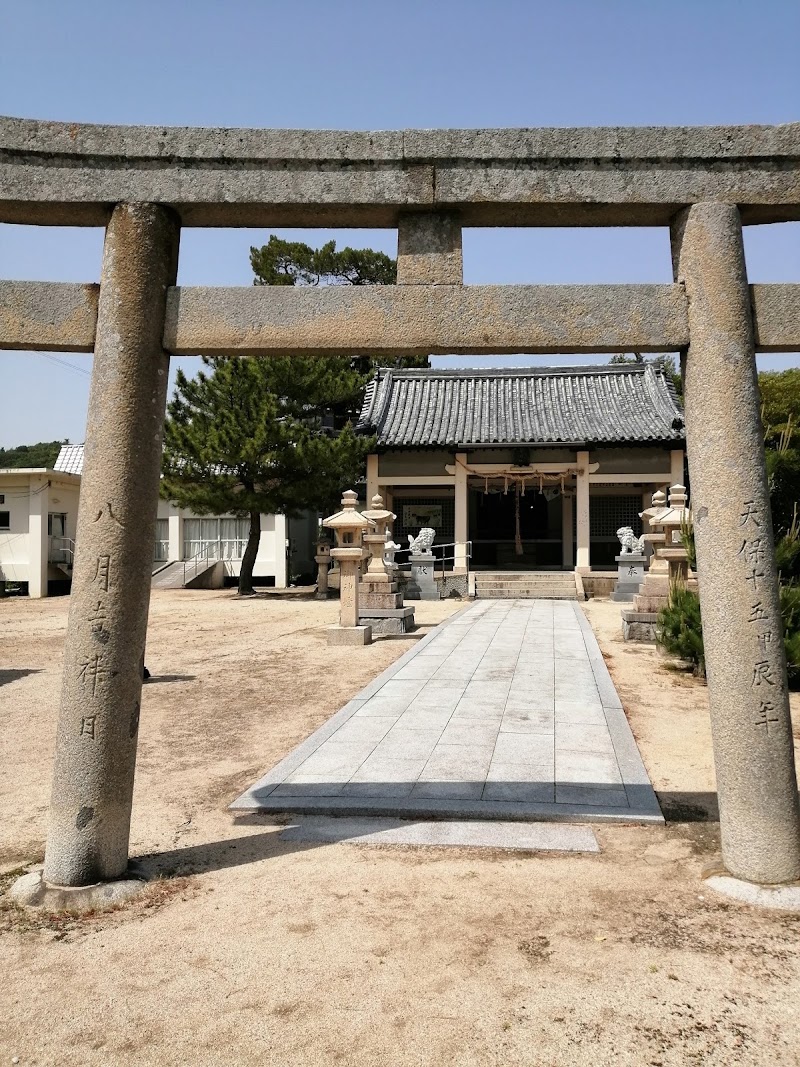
(367,64)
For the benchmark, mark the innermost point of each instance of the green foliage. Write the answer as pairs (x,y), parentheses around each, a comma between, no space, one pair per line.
(43,454)
(687,540)
(679,630)
(783,475)
(780,401)
(280,262)
(790,613)
(787,551)
(249,438)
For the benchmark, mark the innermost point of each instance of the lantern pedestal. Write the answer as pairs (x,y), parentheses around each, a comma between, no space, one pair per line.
(349,635)
(422,585)
(630,575)
(380,604)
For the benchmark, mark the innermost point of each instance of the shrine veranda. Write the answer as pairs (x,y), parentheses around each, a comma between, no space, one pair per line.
(145,184)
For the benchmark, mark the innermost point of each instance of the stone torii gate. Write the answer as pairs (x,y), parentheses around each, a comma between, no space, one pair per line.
(143,183)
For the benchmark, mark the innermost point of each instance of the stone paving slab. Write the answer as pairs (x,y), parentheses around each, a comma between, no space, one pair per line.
(506,711)
(524,837)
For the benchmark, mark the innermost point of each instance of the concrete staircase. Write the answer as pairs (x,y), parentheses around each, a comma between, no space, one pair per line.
(525,585)
(169,577)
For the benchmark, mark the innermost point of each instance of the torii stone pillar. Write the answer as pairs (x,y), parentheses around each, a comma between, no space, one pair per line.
(753,752)
(98,727)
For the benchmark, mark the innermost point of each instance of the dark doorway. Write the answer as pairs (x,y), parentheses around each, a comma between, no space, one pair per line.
(493,530)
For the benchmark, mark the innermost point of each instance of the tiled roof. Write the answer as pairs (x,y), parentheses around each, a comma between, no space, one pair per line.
(617,403)
(70,459)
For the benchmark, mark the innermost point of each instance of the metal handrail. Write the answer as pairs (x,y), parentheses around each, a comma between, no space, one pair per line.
(440,559)
(196,560)
(68,548)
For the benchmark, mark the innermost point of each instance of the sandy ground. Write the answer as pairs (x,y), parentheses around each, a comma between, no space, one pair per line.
(254,951)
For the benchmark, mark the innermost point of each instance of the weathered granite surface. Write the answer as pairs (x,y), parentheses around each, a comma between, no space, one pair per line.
(68,173)
(426,319)
(98,725)
(742,629)
(429,249)
(48,316)
(62,316)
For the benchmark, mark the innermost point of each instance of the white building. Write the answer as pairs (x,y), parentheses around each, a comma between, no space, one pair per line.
(38,513)
(38,518)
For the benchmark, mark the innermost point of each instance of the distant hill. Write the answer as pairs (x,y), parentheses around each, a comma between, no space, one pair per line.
(43,454)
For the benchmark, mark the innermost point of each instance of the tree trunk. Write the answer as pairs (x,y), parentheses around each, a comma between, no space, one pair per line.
(250,553)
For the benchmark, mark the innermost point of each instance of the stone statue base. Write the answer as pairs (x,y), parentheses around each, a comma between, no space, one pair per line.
(630,575)
(422,584)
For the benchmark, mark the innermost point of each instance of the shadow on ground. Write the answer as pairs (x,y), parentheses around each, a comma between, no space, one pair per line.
(689,807)
(219,855)
(252,848)
(154,678)
(14,674)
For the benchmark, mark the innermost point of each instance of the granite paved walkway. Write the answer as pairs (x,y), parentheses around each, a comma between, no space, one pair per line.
(504,711)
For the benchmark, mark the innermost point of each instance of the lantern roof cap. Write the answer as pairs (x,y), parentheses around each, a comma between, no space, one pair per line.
(348,518)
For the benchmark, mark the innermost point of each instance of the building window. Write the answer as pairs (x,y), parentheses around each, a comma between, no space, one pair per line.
(161,554)
(608,513)
(57,524)
(413,513)
(5,520)
(218,538)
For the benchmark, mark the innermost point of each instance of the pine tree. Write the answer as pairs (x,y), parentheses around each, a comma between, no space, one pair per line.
(249,438)
(274,435)
(280,262)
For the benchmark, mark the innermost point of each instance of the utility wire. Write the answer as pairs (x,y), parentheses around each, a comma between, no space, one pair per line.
(65,363)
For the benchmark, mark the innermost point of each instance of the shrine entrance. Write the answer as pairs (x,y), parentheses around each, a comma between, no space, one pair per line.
(519,527)
(143,184)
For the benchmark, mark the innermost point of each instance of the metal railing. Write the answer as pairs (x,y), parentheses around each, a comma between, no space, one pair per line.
(465,554)
(198,562)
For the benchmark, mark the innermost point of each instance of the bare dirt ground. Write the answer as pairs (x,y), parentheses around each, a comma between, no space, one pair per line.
(253,951)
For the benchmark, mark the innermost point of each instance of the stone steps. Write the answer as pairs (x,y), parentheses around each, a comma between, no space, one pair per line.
(544,585)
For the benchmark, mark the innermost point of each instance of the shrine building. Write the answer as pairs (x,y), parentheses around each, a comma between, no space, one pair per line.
(523,469)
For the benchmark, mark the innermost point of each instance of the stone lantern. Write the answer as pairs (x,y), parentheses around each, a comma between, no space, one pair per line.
(349,526)
(669,564)
(381,605)
(671,521)
(375,541)
(323,561)
(653,536)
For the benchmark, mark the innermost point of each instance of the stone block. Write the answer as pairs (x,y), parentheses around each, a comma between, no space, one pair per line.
(67,173)
(650,605)
(384,601)
(422,584)
(429,249)
(630,575)
(349,635)
(639,626)
(398,621)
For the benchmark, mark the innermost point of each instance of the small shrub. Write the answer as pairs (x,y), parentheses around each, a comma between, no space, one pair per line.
(687,540)
(790,612)
(787,551)
(679,630)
